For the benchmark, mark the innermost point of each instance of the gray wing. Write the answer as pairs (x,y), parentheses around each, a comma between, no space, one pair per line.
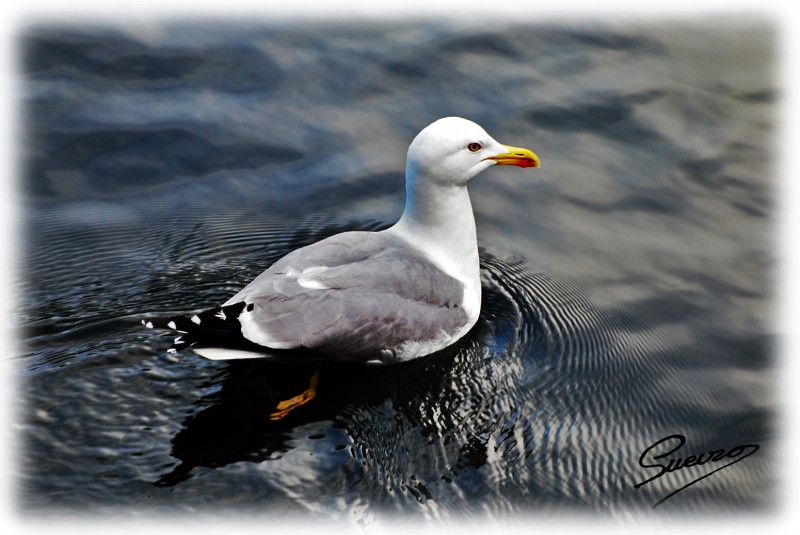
(357,294)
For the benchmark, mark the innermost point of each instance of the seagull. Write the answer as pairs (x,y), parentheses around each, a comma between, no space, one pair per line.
(370,297)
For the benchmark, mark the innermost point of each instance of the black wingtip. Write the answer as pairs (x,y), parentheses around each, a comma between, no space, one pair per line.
(220,324)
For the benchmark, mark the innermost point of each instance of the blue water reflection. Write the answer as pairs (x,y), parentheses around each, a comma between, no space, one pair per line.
(627,285)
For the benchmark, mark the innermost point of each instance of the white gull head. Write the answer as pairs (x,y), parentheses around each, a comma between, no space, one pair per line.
(452,150)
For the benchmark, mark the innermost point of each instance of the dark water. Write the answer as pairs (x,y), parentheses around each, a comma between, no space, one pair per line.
(627,284)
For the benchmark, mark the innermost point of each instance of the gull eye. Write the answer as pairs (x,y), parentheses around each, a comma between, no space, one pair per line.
(474,147)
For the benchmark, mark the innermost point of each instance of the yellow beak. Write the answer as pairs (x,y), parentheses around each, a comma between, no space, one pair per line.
(517,156)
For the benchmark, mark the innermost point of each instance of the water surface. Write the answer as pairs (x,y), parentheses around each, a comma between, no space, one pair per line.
(627,283)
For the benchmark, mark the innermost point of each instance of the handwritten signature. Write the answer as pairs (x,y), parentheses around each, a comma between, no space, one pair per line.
(650,457)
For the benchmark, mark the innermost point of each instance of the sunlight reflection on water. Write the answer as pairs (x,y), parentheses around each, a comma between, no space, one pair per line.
(625,284)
